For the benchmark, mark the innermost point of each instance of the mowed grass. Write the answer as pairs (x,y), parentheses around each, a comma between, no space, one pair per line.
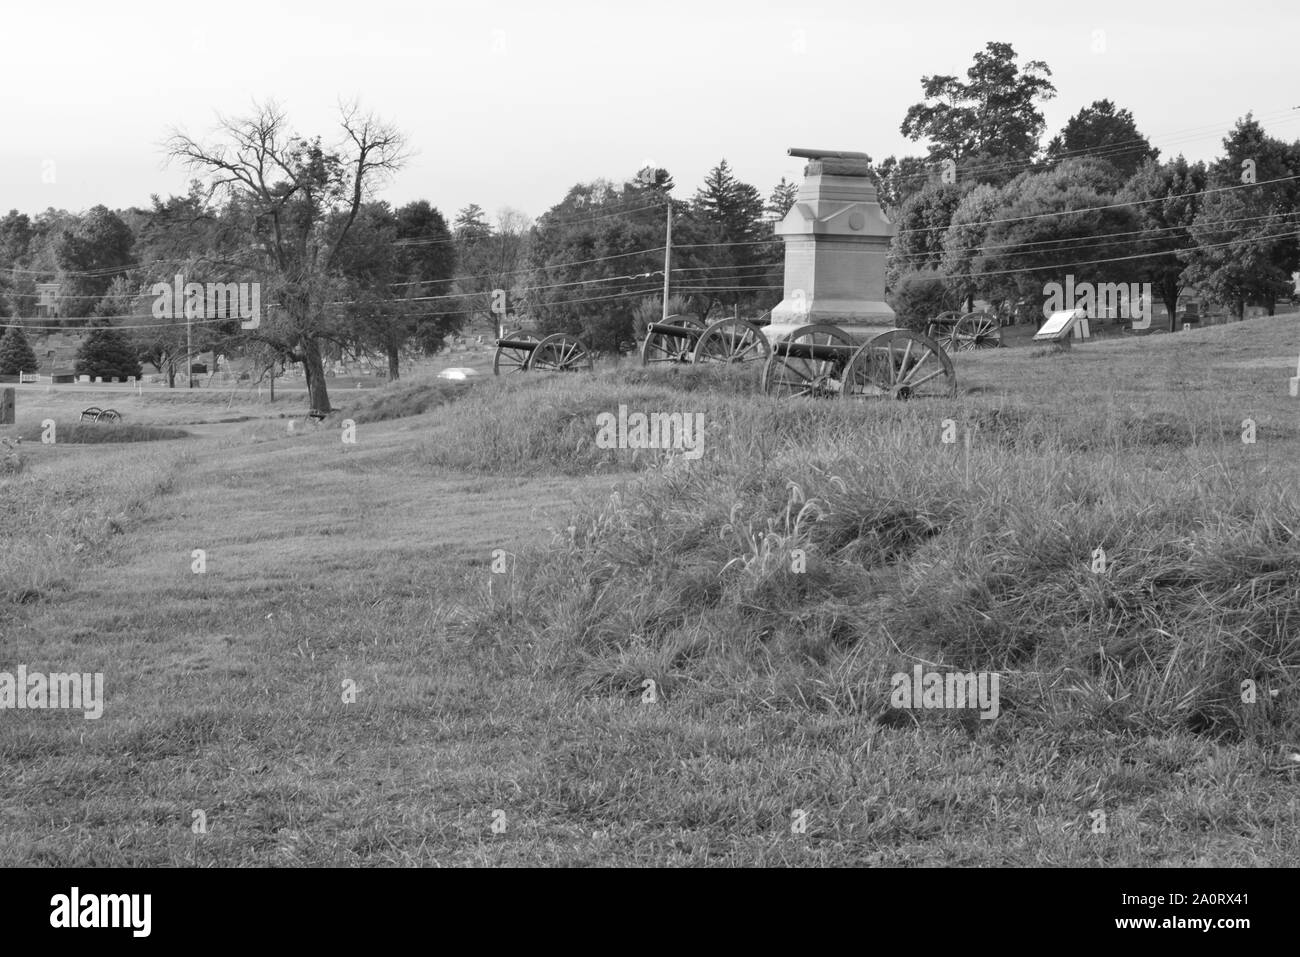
(523,690)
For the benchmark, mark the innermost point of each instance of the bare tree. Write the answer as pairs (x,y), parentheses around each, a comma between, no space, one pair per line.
(300,200)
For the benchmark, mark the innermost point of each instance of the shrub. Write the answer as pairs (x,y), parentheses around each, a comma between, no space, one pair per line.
(919,296)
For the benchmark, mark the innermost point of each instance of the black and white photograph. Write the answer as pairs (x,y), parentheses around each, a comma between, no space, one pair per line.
(779,434)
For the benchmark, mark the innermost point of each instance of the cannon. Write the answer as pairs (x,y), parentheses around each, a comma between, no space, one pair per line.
(684,339)
(965,331)
(96,414)
(825,361)
(519,351)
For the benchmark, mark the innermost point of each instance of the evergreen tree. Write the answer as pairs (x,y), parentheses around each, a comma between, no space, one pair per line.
(782,198)
(16,354)
(471,224)
(106,353)
(733,211)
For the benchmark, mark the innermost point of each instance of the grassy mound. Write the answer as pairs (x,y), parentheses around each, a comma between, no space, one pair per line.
(95,433)
(400,401)
(1125,571)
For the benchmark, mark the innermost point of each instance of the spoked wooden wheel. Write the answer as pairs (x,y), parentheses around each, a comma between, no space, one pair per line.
(511,354)
(977,330)
(732,341)
(943,327)
(900,365)
(561,353)
(109,415)
(671,340)
(808,361)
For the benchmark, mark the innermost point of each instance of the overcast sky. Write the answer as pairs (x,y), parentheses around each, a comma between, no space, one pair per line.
(510,103)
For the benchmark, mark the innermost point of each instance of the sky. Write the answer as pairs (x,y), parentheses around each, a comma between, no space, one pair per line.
(510,103)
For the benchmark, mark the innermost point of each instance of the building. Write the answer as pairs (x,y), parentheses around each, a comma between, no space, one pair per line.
(47,300)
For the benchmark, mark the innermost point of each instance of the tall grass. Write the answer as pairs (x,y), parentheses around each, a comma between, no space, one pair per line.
(1119,570)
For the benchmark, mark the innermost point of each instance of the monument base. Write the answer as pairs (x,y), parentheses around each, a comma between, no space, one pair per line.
(1295,386)
(860,318)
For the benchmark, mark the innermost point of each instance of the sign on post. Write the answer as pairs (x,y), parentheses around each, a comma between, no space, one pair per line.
(1059,327)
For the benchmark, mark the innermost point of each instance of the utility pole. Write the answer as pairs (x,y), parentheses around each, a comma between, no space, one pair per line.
(189,350)
(668,251)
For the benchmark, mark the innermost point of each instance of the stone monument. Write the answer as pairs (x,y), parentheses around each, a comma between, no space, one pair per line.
(836,239)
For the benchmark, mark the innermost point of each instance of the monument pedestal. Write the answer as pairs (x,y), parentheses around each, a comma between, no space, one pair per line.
(836,240)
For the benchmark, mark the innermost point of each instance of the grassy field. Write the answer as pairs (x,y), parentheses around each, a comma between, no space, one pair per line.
(498,591)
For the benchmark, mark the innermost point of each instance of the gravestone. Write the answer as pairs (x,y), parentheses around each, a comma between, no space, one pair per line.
(836,240)
(6,406)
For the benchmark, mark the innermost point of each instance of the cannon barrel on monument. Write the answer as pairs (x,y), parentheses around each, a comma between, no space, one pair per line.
(825,154)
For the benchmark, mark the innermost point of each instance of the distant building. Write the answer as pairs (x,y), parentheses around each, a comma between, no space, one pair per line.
(47,300)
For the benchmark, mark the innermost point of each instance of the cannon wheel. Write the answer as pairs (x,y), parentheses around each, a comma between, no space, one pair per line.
(785,375)
(661,347)
(560,353)
(901,364)
(109,415)
(976,330)
(92,412)
(731,341)
(509,359)
(943,328)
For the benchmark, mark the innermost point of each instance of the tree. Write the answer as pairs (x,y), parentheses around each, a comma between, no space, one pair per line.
(471,223)
(16,234)
(398,268)
(732,213)
(16,353)
(782,198)
(187,236)
(491,266)
(89,255)
(106,353)
(897,180)
(598,252)
(989,125)
(1051,224)
(964,240)
(1166,198)
(301,200)
(1246,237)
(922,223)
(1103,131)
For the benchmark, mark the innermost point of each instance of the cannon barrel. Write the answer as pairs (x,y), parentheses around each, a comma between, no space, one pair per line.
(825,154)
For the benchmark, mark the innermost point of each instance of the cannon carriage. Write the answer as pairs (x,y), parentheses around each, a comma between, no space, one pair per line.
(820,360)
(684,339)
(521,351)
(965,331)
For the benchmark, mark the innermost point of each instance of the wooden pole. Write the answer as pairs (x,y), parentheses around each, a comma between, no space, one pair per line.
(668,254)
